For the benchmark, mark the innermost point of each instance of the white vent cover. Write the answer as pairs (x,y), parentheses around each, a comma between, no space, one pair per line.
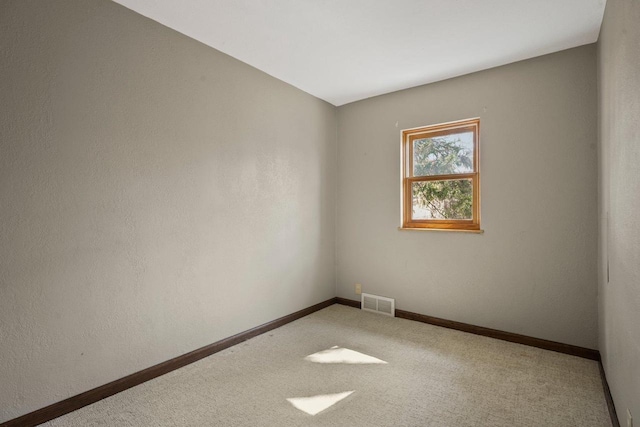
(379,304)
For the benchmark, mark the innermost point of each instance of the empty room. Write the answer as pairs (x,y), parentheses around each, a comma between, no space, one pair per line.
(320,213)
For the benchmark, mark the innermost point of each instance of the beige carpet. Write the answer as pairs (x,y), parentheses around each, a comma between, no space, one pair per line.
(433,377)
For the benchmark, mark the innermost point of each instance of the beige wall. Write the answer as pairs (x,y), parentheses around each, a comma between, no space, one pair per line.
(619,190)
(533,271)
(156,196)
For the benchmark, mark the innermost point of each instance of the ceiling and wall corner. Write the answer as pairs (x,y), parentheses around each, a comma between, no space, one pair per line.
(345,51)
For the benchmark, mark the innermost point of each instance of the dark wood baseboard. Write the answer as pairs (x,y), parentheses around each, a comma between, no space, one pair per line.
(573,350)
(349,302)
(88,397)
(607,395)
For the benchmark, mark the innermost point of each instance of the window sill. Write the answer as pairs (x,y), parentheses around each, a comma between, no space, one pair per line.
(455,230)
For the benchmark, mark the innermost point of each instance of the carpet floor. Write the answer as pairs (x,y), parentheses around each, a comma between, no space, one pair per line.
(432,377)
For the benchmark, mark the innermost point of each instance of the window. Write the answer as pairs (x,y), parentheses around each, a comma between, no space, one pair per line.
(440,176)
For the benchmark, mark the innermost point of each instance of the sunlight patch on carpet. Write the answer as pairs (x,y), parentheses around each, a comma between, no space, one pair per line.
(342,355)
(316,404)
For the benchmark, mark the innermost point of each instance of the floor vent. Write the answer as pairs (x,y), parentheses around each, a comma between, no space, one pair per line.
(379,304)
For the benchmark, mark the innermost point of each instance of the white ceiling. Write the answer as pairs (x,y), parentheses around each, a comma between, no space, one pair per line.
(346,50)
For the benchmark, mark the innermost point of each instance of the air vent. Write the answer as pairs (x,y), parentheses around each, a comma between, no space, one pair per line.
(379,304)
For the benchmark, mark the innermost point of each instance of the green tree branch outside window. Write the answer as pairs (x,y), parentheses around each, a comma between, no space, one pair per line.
(450,199)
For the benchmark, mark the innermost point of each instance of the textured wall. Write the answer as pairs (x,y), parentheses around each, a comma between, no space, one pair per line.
(619,185)
(533,271)
(157,196)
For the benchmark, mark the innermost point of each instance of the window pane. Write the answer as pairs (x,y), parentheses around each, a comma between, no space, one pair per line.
(442,155)
(452,199)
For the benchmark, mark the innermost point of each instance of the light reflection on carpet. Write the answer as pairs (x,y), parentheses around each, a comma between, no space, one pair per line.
(315,404)
(342,355)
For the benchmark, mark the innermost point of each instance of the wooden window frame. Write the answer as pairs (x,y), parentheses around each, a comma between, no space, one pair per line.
(408,136)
